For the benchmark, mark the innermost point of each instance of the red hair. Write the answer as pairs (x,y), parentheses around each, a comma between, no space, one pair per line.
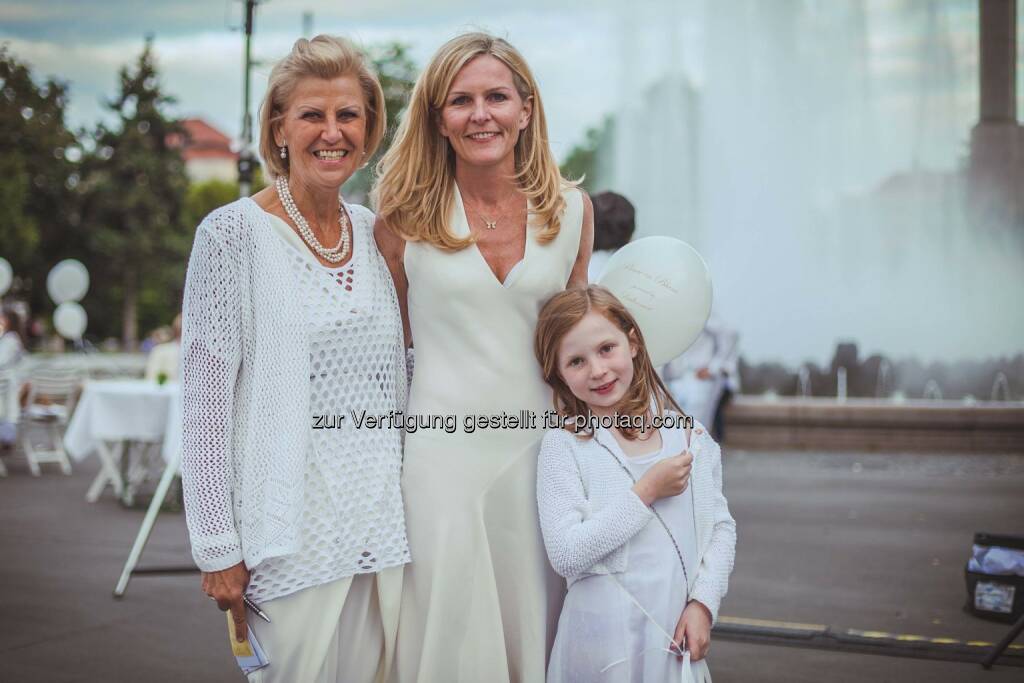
(559,315)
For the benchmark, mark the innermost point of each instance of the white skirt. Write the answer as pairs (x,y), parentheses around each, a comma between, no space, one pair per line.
(604,638)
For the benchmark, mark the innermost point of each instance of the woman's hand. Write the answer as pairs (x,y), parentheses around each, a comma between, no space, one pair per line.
(227,587)
(667,478)
(693,632)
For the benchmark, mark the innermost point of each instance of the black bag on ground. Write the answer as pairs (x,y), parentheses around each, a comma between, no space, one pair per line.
(995,580)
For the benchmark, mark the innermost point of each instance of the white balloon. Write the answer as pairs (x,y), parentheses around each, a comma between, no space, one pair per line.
(70,319)
(67,281)
(6,276)
(666,285)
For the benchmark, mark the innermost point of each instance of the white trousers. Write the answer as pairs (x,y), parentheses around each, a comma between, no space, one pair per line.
(341,631)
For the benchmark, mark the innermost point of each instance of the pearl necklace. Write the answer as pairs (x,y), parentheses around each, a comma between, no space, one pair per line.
(333,254)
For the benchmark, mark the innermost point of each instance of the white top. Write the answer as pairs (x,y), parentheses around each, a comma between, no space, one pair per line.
(11,354)
(264,351)
(11,350)
(676,511)
(589,513)
(598,260)
(716,348)
(342,533)
(164,359)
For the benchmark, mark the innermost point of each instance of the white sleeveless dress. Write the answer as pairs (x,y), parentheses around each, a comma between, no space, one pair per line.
(479,601)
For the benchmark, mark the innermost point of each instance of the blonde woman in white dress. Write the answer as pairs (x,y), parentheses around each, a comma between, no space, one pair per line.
(479,229)
(291,322)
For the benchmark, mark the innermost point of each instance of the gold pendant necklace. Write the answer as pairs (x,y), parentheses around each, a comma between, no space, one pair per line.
(492,224)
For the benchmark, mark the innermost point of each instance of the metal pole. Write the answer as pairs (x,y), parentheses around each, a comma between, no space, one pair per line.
(998,650)
(246,159)
(170,470)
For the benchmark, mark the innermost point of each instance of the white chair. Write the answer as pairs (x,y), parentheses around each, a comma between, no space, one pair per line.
(51,399)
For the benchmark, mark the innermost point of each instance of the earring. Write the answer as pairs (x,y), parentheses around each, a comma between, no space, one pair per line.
(284,152)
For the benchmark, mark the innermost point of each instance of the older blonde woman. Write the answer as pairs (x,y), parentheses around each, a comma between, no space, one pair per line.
(291,322)
(478,228)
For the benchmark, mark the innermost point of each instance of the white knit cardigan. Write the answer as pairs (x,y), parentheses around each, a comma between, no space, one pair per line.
(588,511)
(245,390)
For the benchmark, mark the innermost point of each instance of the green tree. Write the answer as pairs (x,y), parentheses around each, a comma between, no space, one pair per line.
(204,196)
(38,209)
(397,74)
(581,163)
(133,193)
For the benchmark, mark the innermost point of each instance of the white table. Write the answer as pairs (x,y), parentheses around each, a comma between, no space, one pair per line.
(111,412)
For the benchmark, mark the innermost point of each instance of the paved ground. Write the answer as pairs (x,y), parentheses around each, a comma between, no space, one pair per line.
(872,542)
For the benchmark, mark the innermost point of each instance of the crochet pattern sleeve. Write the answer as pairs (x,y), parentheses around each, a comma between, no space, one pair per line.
(577,537)
(211,353)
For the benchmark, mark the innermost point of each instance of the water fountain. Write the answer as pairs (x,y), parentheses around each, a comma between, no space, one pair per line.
(803,380)
(882,382)
(1001,384)
(814,180)
(805,172)
(932,391)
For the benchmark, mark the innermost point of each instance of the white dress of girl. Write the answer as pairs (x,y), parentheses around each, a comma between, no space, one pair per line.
(617,627)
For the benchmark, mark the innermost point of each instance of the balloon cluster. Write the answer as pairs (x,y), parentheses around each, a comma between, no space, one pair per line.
(67,283)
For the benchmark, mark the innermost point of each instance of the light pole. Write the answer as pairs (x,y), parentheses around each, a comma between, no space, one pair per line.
(246,159)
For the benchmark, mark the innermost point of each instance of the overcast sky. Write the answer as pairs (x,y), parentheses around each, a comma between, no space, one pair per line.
(570,45)
(577,49)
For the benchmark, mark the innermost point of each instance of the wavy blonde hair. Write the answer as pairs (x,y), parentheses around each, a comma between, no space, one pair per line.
(326,57)
(559,315)
(415,190)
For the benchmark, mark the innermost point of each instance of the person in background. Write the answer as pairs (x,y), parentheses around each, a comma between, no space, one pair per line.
(12,350)
(614,223)
(165,359)
(35,335)
(11,347)
(704,377)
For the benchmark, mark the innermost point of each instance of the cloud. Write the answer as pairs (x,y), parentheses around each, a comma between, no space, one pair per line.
(94,21)
(203,69)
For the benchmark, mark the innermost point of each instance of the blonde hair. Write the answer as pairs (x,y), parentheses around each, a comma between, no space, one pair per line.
(559,315)
(326,57)
(415,189)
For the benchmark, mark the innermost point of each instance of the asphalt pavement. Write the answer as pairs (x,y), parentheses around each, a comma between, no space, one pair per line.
(852,542)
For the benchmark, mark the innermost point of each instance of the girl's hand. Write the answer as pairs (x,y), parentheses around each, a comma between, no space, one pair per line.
(227,587)
(667,478)
(693,631)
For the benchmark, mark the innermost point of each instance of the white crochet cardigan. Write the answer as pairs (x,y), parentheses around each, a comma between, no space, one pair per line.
(588,511)
(245,390)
